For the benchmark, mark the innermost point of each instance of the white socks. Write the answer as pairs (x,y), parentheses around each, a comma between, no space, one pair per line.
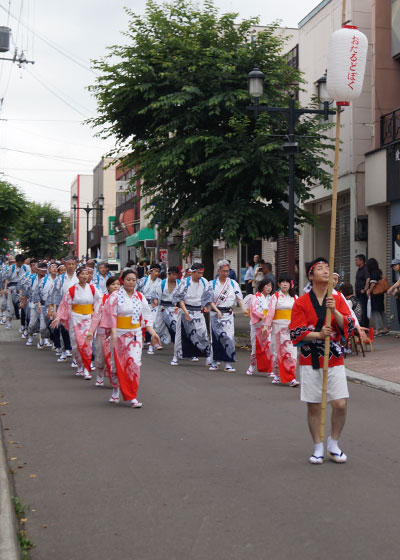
(319,449)
(332,446)
(115,393)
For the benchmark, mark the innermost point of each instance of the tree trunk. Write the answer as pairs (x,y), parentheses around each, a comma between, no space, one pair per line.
(207,258)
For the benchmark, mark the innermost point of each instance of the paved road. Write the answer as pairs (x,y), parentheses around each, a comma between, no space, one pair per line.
(213,467)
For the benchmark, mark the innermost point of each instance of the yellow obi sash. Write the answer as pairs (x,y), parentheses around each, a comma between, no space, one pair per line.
(283,314)
(82,309)
(265,311)
(125,322)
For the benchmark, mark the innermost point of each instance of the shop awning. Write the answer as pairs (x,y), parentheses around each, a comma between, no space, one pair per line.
(141,235)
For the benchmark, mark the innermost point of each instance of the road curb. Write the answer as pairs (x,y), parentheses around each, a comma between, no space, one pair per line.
(9,547)
(374,382)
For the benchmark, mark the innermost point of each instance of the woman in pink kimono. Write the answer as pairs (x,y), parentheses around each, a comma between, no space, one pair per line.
(125,312)
(102,360)
(278,319)
(75,313)
(261,356)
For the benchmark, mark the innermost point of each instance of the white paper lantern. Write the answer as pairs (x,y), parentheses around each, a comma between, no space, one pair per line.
(347,57)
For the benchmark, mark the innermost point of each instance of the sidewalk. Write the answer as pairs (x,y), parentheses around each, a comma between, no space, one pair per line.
(379,369)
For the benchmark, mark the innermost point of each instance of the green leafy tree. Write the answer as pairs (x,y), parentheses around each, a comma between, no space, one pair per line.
(42,231)
(12,207)
(175,98)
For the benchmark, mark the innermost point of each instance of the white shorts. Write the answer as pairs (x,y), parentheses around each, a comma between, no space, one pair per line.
(311,384)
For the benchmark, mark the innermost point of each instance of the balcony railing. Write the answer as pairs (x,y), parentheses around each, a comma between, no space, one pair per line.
(390,127)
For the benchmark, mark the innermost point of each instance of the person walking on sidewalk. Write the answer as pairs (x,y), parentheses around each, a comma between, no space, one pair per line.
(308,332)
(75,312)
(261,356)
(395,289)
(362,276)
(377,300)
(278,319)
(125,312)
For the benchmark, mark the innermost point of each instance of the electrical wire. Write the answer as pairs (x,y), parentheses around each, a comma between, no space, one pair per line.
(49,156)
(38,184)
(53,45)
(56,95)
(30,132)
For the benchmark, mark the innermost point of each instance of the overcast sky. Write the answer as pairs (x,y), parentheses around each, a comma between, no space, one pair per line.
(42,140)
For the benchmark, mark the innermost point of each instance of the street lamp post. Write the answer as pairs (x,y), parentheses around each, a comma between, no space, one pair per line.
(88,209)
(290,148)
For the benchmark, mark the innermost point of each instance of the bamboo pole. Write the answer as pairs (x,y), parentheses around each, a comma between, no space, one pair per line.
(331,258)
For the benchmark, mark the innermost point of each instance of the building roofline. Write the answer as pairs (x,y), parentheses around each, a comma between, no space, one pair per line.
(313,12)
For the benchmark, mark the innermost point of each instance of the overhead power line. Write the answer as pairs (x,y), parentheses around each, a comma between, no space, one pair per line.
(38,184)
(51,156)
(57,95)
(52,44)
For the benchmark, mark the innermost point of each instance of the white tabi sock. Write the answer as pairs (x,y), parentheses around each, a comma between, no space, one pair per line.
(319,449)
(115,393)
(333,446)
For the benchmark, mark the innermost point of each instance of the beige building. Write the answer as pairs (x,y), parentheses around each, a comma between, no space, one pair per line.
(102,241)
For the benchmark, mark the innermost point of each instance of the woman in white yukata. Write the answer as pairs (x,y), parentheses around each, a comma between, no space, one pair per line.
(125,312)
(75,313)
(261,356)
(278,318)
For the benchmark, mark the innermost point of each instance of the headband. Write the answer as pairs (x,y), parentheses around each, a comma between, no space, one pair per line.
(314,265)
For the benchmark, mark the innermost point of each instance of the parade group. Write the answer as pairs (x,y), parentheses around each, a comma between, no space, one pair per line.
(102,322)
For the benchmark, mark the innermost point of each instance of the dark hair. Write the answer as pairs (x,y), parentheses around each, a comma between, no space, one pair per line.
(347,289)
(284,277)
(19,258)
(361,257)
(103,263)
(173,269)
(265,282)
(314,262)
(126,272)
(130,263)
(269,265)
(197,266)
(372,266)
(155,265)
(111,280)
(80,269)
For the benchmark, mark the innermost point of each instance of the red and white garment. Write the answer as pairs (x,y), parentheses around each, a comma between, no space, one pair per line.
(261,355)
(78,324)
(126,355)
(283,351)
(103,345)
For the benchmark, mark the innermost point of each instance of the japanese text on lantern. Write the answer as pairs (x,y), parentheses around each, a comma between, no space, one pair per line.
(351,76)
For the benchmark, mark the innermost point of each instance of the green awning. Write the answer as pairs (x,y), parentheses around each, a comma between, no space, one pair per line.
(141,235)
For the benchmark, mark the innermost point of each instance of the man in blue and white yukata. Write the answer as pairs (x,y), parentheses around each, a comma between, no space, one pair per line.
(226,294)
(148,286)
(13,276)
(192,295)
(167,314)
(101,276)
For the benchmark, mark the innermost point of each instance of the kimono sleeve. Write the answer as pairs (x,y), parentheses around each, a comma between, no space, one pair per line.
(271,311)
(96,315)
(348,321)
(255,314)
(147,316)
(300,324)
(64,311)
(109,312)
(237,290)
(208,294)
(179,293)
